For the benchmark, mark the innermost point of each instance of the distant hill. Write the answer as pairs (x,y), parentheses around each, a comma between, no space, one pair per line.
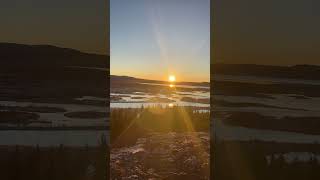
(19,55)
(124,78)
(51,74)
(311,72)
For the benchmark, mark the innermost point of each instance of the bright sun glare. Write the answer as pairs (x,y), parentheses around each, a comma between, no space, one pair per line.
(172,78)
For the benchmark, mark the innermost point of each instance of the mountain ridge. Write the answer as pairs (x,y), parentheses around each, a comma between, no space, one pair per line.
(16,55)
(299,71)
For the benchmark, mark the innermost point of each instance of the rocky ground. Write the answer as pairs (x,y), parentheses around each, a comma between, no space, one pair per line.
(171,156)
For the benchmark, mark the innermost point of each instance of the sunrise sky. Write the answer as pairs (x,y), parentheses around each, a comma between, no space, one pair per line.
(76,24)
(269,32)
(154,39)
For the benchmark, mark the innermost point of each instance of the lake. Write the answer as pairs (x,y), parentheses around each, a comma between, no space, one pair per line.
(274,105)
(136,99)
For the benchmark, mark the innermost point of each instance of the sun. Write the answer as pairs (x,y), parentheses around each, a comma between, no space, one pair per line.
(172,78)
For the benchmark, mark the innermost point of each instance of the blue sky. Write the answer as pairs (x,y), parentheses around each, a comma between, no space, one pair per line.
(154,38)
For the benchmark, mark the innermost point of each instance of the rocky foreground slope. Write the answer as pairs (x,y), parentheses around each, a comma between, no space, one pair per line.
(171,156)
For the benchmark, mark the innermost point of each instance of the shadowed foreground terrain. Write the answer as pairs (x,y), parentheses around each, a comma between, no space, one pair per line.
(159,143)
(170,156)
(266,160)
(54,163)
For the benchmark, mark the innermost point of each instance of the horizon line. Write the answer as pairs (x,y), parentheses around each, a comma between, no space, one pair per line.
(159,79)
